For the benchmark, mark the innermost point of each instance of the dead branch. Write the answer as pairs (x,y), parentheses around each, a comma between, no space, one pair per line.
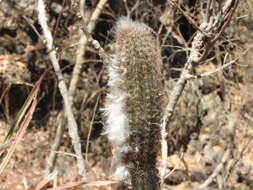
(202,41)
(83,43)
(72,125)
(232,119)
(217,170)
(85,38)
(220,68)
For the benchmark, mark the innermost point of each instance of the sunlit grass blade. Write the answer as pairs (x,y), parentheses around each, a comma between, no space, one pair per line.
(24,116)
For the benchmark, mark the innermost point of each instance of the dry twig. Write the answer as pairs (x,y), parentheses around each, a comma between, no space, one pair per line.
(83,44)
(232,119)
(200,41)
(72,126)
(220,68)
(85,38)
(217,170)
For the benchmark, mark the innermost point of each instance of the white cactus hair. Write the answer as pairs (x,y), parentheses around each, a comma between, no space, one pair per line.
(125,23)
(121,173)
(117,124)
(117,127)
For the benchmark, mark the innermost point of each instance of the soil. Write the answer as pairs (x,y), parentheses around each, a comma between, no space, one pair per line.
(202,128)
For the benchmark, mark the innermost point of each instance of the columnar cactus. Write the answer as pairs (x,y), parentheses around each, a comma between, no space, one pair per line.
(135,102)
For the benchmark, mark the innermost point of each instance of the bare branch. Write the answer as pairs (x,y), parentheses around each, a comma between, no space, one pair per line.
(217,170)
(83,44)
(75,75)
(201,41)
(232,119)
(220,68)
(56,143)
(72,126)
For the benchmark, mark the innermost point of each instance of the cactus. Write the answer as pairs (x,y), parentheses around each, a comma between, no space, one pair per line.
(135,104)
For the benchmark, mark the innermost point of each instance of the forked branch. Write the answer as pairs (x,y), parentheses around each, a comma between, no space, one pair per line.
(207,34)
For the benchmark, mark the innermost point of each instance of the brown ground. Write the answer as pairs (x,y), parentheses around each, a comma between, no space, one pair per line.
(199,134)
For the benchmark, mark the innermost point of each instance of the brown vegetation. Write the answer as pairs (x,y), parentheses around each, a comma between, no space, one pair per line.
(208,132)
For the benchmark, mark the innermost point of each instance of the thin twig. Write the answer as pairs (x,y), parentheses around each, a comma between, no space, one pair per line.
(217,170)
(188,17)
(77,68)
(194,57)
(82,46)
(220,68)
(29,22)
(55,145)
(232,119)
(176,93)
(82,9)
(236,161)
(176,166)
(199,41)
(90,129)
(72,125)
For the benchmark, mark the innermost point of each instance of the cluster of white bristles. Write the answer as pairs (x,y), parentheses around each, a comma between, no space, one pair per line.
(126,25)
(117,124)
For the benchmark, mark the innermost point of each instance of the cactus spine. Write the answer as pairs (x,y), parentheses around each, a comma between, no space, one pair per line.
(135,83)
